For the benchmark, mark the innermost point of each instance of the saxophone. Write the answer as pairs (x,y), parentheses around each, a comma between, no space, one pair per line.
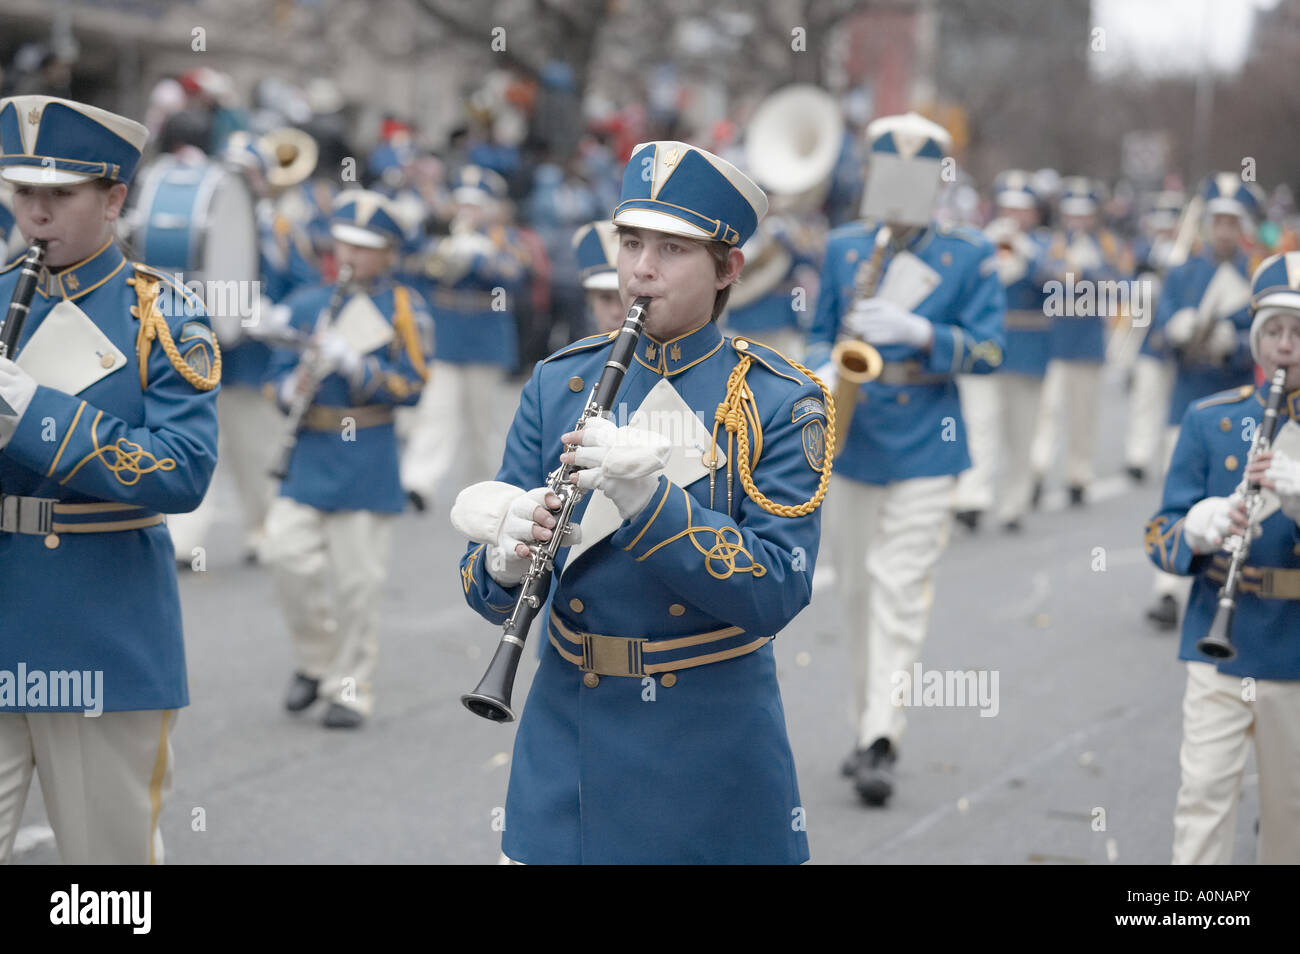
(855,361)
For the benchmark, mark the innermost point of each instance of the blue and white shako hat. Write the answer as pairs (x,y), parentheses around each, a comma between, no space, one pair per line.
(905,164)
(596,245)
(1166,209)
(366,218)
(476,185)
(47,141)
(1079,196)
(1226,194)
(681,189)
(1275,287)
(1014,189)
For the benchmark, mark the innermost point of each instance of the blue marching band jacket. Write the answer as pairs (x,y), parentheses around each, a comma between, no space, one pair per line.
(1184,287)
(1209,461)
(1081,337)
(705,573)
(1028,326)
(129,434)
(346,456)
(909,421)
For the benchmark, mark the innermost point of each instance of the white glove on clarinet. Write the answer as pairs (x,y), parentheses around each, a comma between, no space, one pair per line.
(622,462)
(1208,523)
(883,322)
(503,516)
(340,355)
(1284,471)
(1181,326)
(1223,339)
(17,388)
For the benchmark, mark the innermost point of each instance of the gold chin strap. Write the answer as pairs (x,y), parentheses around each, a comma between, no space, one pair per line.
(738,412)
(154,325)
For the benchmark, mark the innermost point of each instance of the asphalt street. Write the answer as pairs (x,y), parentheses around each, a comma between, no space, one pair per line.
(1079,764)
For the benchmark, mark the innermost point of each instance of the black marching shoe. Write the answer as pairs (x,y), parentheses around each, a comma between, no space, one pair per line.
(302,692)
(1012,526)
(417,501)
(1164,613)
(1036,498)
(1076,497)
(970,519)
(339,716)
(1137,474)
(873,777)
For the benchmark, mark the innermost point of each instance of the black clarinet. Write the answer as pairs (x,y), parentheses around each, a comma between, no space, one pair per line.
(21,301)
(1217,643)
(311,373)
(491,697)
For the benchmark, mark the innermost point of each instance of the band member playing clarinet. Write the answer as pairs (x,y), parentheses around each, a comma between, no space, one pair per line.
(1255,694)
(329,533)
(108,420)
(654,731)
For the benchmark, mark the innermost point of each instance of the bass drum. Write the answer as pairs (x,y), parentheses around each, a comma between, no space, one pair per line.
(200,220)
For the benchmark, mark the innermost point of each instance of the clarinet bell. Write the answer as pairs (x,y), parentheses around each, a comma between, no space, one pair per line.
(1217,644)
(491,697)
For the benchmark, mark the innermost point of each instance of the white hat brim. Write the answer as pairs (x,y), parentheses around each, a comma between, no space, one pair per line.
(601,281)
(1076,206)
(660,222)
(43,176)
(355,235)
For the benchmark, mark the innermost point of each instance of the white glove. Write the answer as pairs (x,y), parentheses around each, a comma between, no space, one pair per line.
(883,322)
(828,374)
(1012,267)
(340,355)
(1223,339)
(1207,524)
(1285,474)
(503,564)
(1181,326)
(269,321)
(623,462)
(17,388)
(1002,231)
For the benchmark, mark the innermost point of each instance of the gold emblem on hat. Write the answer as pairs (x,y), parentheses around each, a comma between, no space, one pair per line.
(34,117)
(670,159)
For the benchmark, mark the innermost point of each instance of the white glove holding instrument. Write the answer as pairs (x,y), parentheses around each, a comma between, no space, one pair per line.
(1284,472)
(1223,339)
(340,355)
(622,462)
(1209,523)
(1181,326)
(505,518)
(882,322)
(17,388)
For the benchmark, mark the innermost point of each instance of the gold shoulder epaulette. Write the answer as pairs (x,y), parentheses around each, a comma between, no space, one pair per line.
(200,365)
(582,344)
(1227,397)
(771,359)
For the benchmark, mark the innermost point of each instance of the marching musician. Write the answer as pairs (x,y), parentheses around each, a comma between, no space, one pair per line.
(1256,694)
(474,279)
(770,304)
(108,420)
(654,731)
(1203,324)
(1153,372)
(328,534)
(1080,255)
(937,312)
(1001,408)
(596,247)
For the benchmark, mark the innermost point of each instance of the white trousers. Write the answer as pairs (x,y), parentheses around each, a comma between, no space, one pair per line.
(330,568)
(980,402)
(885,543)
(1218,728)
(1070,389)
(251,434)
(104,780)
(461,420)
(1148,410)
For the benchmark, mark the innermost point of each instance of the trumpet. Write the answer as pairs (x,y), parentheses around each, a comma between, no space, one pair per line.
(855,361)
(1217,643)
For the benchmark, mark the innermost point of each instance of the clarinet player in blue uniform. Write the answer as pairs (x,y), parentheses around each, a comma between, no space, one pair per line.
(654,730)
(1253,697)
(108,421)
